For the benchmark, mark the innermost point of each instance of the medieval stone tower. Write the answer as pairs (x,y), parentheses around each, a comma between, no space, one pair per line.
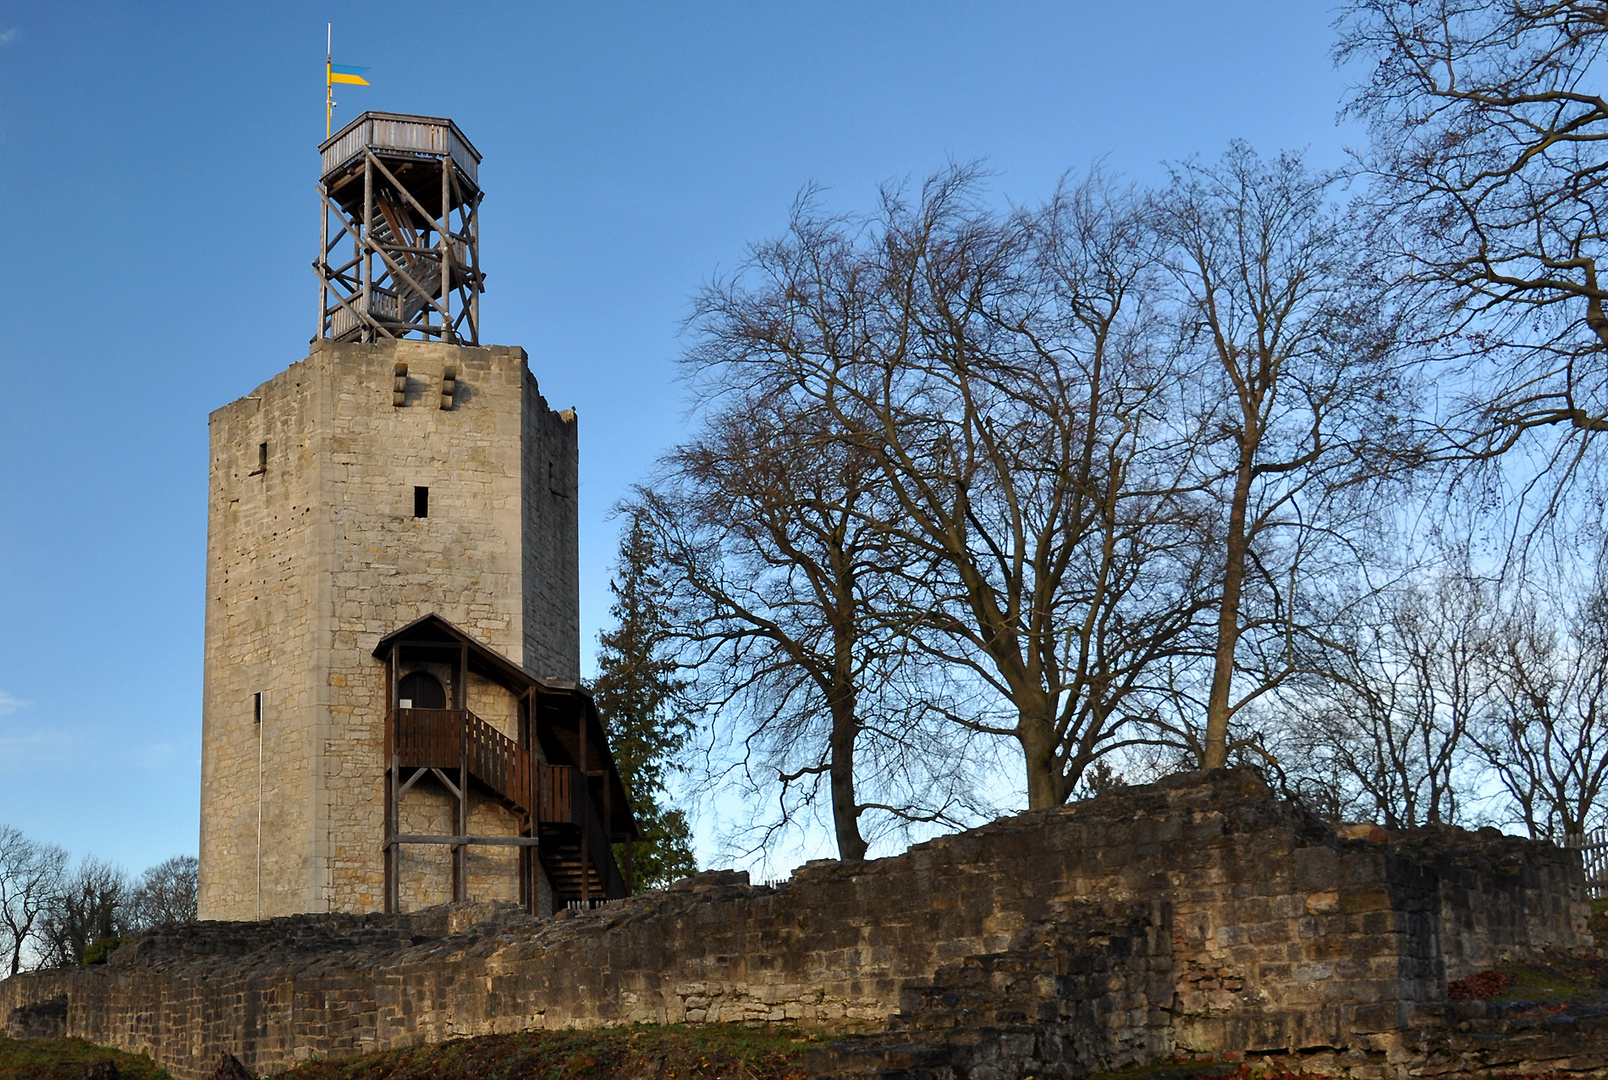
(392,625)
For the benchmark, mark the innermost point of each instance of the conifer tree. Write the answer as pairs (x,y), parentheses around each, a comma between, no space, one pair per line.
(639,696)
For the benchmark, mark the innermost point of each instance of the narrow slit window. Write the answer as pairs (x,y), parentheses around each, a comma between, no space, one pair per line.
(256,707)
(421,502)
(262,460)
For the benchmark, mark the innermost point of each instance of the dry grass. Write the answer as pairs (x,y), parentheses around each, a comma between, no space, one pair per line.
(641,1052)
(70,1059)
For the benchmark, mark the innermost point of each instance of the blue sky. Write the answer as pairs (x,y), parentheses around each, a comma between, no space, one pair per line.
(158,218)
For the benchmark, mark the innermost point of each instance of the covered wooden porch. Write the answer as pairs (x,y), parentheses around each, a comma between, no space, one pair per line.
(557,778)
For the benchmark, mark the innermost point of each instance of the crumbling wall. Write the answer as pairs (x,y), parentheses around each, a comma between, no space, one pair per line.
(1198,914)
(1498,897)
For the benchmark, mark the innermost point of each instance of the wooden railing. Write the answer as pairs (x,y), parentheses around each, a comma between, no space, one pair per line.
(600,852)
(556,789)
(384,305)
(450,738)
(497,761)
(563,798)
(427,738)
(417,134)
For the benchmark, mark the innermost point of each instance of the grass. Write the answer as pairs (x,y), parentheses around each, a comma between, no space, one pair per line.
(1550,982)
(640,1052)
(69,1059)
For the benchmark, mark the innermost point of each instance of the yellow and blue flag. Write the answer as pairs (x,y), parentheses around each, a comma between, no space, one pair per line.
(346,73)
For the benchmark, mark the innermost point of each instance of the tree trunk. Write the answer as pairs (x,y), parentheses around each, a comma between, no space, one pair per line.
(844,703)
(845,810)
(1035,730)
(1215,752)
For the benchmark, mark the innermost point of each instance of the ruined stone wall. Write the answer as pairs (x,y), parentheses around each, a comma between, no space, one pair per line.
(312,561)
(1492,893)
(1199,914)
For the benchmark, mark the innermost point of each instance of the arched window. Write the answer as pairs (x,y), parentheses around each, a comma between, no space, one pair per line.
(420,690)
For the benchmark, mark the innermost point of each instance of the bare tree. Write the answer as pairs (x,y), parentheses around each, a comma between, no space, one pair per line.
(780,585)
(1294,411)
(1486,154)
(165,895)
(30,878)
(1392,728)
(1547,733)
(996,373)
(88,909)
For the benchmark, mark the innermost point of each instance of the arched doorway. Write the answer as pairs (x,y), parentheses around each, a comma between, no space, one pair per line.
(420,690)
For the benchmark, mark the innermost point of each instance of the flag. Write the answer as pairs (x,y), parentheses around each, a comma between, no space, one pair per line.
(346,73)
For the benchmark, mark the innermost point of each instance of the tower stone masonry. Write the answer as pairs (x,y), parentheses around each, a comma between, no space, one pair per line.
(316,547)
(391,715)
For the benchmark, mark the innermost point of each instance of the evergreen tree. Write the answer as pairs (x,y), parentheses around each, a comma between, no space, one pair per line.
(639,696)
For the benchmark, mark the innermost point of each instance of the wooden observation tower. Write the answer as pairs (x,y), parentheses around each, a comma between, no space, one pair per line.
(399,252)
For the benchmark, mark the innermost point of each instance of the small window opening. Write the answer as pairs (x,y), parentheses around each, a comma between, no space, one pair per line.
(256,707)
(421,502)
(262,460)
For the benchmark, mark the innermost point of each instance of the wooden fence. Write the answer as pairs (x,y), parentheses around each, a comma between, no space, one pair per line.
(1593,848)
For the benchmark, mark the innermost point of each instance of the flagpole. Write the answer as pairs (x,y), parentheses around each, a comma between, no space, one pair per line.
(329,80)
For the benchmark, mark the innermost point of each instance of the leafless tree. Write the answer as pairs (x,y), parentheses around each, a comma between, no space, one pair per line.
(89,907)
(30,877)
(165,894)
(780,587)
(1546,735)
(1392,728)
(1294,412)
(1000,381)
(1486,137)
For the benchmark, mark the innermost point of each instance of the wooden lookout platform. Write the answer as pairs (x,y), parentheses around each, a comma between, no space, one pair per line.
(400,235)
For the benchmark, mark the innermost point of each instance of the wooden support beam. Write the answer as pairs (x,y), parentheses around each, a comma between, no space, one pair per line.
(586,815)
(418,774)
(460,856)
(393,821)
(441,776)
(460,693)
(368,220)
(323,278)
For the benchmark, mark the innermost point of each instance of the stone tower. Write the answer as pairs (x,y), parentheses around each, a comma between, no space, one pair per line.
(375,483)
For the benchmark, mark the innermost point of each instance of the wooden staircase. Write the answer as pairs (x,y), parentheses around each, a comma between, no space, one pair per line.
(575,848)
(392,231)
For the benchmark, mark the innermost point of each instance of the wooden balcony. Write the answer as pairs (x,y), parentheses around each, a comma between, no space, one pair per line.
(458,739)
(557,776)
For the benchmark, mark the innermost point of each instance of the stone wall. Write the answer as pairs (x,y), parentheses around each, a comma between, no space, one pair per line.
(1195,915)
(549,493)
(314,553)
